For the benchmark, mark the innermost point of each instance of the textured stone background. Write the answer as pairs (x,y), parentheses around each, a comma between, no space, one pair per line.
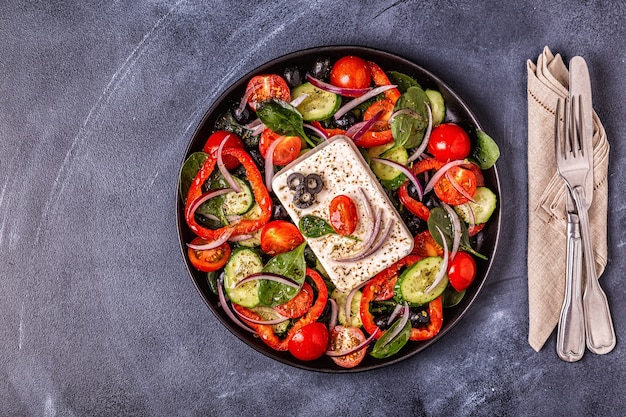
(98,101)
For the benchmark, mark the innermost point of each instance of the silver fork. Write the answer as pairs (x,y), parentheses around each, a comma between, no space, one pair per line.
(574,164)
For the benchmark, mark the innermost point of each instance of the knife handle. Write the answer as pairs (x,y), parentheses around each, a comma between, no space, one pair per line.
(598,323)
(570,339)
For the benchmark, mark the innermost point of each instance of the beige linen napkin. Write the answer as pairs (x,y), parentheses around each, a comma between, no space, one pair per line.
(548,80)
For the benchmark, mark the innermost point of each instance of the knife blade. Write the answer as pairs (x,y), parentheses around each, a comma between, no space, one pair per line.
(599,331)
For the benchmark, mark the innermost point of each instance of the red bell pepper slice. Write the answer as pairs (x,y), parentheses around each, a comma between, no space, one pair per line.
(266,332)
(380,79)
(435,313)
(261,196)
(381,288)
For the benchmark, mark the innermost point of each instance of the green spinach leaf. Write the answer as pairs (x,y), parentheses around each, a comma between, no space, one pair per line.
(403,81)
(408,128)
(385,347)
(189,171)
(486,151)
(290,264)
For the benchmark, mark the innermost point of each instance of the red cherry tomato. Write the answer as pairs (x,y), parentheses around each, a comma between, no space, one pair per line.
(264,87)
(462,271)
(208,260)
(309,342)
(286,151)
(351,72)
(280,236)
(343,338)
(343,215)
(463,179)
(233,141)
(448,142)
(425,245)
(298,305)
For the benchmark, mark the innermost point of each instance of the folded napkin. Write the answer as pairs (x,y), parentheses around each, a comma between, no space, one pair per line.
(548,80)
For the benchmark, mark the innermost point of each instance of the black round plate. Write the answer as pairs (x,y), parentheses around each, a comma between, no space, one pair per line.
(456,111)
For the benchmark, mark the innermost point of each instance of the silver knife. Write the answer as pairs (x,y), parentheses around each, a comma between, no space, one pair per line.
(600,334)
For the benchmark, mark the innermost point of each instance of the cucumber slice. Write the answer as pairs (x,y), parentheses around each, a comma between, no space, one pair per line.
(479,210)
(437,106)
(355,317)
(238,203)
(389,176)
(242,262)
(414,281)
(318,105)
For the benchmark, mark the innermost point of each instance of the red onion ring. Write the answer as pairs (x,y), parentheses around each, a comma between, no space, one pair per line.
(270,277)
(456,227)
(358,129)
(458,187)
(278,320)
(350,92)
(441,172)
(224,304)
(420,150)
(404,318)
(298,100)
(204,197)
(269,162)
(355,102)
(220,165)
(357,348)
(444,265)
(317,131)
(394,313)
(333,313)
(239,238)
(349,298)
(371,238)
(244,101)
(406,171)
(214,244)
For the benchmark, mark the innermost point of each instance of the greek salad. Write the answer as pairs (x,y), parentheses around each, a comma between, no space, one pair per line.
(335,210)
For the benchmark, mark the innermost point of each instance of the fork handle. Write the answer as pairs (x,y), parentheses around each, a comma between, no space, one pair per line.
(598,323)
(570,339)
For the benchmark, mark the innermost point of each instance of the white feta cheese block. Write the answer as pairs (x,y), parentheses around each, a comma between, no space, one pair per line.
(344,171)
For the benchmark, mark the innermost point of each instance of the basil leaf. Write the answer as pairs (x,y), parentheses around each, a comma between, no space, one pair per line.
(282,118)
(189,170)
(439,217)
(314,227)
(290,264)
(385,347)
(408,129)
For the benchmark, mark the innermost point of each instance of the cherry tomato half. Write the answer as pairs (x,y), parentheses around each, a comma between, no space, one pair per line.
(309,342)
(285,152)
(298,305)
(462,271)
(208,260)
(448,142)
(343,215)
(233,141)
(343,338)
(280,236)
(425,245)
(264,87)
(448,192)
(351,72)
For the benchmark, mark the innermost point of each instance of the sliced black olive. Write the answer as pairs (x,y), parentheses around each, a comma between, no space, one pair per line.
(279,211)
(345,121)
(313,183)
(293,76)
(383,322)
(419,317)
(303,199)
(295,180)
(321,68)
